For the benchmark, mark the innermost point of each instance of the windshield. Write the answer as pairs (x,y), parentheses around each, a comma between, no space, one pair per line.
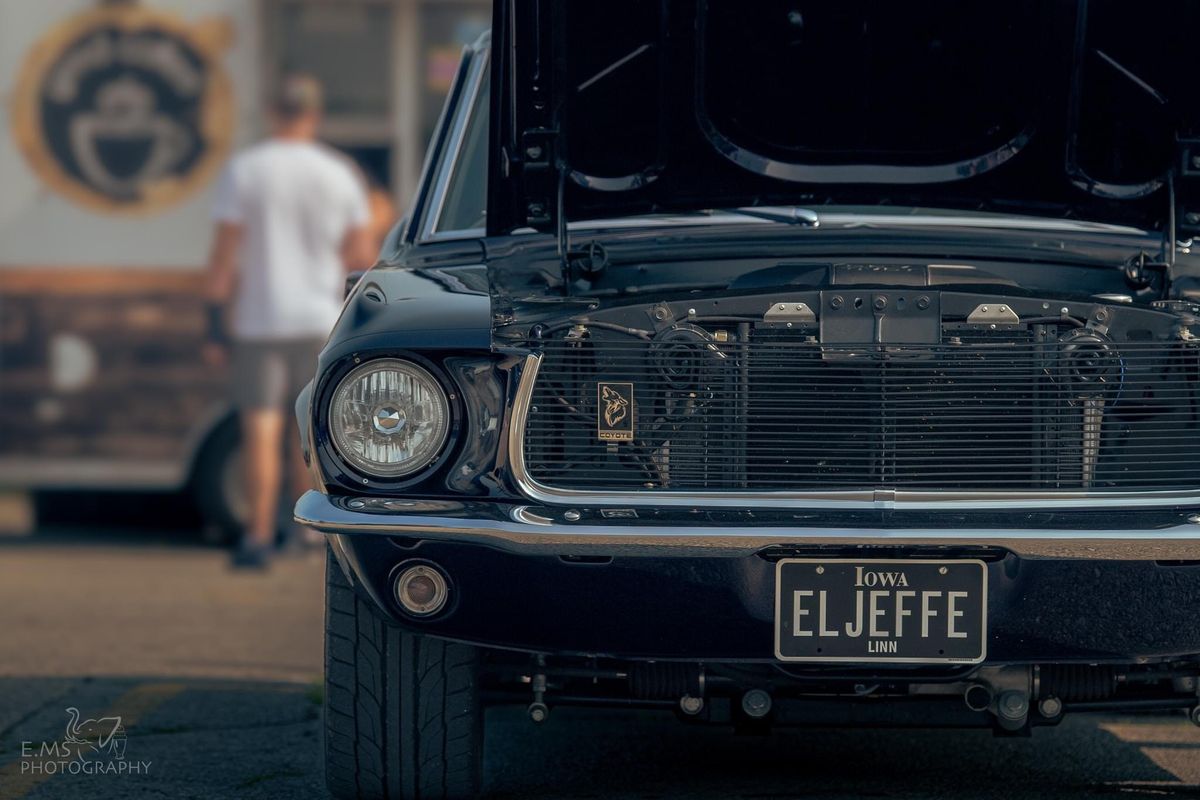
(465,206)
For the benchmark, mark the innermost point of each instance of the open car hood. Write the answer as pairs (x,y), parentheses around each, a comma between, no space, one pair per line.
(1086,109)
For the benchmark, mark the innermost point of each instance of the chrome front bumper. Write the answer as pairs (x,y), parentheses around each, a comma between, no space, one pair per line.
(1167,535)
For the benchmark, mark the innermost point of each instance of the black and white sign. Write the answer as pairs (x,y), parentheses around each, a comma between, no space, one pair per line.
(124,107)
(886,610)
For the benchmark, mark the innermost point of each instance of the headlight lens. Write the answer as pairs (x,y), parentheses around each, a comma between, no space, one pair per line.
(389,418)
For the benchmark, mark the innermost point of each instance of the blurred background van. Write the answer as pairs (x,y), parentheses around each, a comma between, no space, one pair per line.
(117,116)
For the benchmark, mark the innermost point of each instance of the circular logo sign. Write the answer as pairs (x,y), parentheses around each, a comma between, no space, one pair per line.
(125,108)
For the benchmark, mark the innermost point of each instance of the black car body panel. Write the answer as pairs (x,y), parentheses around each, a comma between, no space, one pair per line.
(603,555)
(1070,108)
(942,251)
(707,609)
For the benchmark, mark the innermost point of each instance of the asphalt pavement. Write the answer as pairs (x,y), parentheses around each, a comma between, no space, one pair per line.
(215,677)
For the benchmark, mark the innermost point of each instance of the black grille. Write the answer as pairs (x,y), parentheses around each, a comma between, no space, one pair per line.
(779,413)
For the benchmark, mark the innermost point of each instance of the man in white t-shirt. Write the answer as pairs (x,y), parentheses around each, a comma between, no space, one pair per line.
(291,219)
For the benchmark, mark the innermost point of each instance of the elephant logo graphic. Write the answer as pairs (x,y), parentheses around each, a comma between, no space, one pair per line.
(104,736)
(126,108)
(614,413)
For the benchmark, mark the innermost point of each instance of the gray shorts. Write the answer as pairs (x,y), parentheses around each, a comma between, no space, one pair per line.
(271,373)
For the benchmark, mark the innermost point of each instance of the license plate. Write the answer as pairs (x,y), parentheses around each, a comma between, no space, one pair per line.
(881,611)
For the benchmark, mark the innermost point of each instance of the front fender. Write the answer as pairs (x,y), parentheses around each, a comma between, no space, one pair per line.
(439,317)
(423,309)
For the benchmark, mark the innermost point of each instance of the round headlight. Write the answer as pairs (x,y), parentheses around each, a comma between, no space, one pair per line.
(389,418)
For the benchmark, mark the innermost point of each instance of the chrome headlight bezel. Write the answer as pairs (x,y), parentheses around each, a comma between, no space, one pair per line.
(352,469)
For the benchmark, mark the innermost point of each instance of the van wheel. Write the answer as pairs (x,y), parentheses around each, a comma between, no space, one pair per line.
(402,711)
(218,487)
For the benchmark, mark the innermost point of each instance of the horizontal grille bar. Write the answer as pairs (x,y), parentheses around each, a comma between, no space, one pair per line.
(779,413)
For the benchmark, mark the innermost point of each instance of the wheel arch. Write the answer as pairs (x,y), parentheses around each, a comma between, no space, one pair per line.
(203,437)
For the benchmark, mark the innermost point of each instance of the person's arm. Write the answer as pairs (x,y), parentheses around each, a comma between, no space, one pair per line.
(358,251)
(221,277)
(219,284)
(222,262)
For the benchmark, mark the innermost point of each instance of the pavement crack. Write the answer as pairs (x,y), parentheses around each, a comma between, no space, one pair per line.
(50,701)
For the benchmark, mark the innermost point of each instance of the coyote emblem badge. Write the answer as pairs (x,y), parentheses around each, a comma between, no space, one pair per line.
(614,412)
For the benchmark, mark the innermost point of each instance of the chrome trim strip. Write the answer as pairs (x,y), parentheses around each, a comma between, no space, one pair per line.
(694,220)
(425,181)
(455,236)
(881,498)
(829,219)
(521,529)
(445,170)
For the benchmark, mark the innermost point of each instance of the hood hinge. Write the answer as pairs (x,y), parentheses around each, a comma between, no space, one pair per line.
(539,172)
(545,178)
(1139,268)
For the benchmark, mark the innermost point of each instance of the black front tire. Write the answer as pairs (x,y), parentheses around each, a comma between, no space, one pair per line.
(402,712)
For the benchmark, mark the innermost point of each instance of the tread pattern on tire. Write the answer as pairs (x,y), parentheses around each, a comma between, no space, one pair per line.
(402,717)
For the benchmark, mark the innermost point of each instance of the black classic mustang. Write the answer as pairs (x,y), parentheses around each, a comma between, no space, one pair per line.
(773,363)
